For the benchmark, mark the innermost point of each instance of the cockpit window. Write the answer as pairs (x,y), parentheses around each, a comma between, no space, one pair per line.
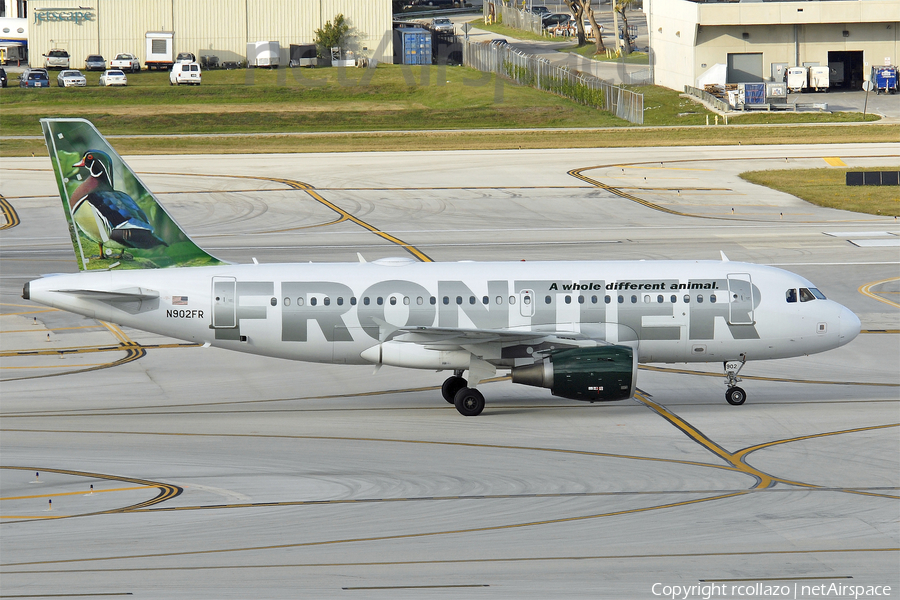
(791,295)
(819,295)
(806,295)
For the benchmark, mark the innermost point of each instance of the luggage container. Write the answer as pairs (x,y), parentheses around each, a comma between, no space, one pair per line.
(818,78)
(797,79)
(776,93)
(885,79)
(416,46)
(754,93)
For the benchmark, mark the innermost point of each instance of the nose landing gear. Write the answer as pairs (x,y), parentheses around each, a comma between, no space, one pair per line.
(734,395)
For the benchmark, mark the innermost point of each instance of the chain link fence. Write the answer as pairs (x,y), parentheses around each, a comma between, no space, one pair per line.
(526,69)
(512,17)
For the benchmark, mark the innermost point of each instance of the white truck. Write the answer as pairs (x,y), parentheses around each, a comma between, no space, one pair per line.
(263,54)
(159,53)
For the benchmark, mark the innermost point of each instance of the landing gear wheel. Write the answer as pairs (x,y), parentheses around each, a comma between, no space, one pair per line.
(735,396)
(469,402)
(451,386)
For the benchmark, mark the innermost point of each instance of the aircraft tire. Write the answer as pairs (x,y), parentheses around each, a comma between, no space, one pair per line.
(735,396)
(451,386)
(469,402)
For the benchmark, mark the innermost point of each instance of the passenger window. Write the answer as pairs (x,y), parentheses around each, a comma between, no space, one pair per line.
(459,299)
(634,299)
(326,301)
(366,300)
(806,295)
(621,299)
(446,300)
(420,300)
(659,299)
(674,299)
(568,299)
(485,300)
(646,298)
(699,298)
(379,300)
(471,299)
(352,300)
(607,299)
(712,298)
(512,300)
(393,301)
(580,299)
(687,298)
(406,300)
(312,301)
(791,295)
(547,299)
(299,301)
(340,300)
(287,301)
(433,300)
(499,300)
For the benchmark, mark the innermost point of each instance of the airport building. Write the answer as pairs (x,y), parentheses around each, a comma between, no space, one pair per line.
(220,28)
(758,40)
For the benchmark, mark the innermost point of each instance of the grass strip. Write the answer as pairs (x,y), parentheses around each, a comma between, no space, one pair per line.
(482,140)
(827,187)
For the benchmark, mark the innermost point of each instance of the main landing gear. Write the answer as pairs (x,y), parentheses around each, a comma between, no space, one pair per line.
(735,395)
(468,401)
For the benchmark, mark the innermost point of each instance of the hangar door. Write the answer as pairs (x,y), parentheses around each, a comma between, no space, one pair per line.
(744,68)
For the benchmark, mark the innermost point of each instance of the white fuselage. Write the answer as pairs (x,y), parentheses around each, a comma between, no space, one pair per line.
(672,311)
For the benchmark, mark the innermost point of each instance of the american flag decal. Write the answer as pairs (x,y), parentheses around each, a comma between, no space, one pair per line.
(179,300)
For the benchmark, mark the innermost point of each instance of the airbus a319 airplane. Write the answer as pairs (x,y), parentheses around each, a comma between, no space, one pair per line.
(577,328)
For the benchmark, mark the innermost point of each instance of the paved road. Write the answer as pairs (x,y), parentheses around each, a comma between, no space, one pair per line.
(222,475)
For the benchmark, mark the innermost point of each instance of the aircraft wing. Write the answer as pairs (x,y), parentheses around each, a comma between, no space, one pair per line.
(449,338)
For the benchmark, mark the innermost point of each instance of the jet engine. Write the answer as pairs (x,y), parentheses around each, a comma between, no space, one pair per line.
(591,374)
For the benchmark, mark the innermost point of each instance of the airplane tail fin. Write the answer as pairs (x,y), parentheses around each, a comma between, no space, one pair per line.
(114,220)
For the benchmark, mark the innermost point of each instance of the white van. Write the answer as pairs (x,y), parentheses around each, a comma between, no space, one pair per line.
(185,72)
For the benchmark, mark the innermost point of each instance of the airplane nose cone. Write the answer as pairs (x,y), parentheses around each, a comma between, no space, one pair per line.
(849,325)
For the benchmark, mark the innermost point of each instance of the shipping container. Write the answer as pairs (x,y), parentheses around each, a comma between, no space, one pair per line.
(416,44)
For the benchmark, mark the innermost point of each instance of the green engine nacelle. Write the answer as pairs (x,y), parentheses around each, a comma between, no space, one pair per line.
(592,374)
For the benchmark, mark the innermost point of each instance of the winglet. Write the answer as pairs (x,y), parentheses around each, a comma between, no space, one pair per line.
(724,258)
(113,217)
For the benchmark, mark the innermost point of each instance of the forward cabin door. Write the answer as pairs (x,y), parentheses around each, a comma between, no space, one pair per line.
(223,303)
(740,299)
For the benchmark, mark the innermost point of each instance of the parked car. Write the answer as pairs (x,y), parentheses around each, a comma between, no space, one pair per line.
(185,72)
(113,77)
(185,57)
(125,62)
(442,24)
(56,59)
(2,77)
(555,19)
(34,78)
(540,10)
(71,78)
(95,62)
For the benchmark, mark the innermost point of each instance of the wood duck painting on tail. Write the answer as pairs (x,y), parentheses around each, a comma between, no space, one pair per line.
(110,218)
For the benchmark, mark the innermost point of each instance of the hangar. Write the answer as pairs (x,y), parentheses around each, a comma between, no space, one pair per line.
(758,40)
(222,28)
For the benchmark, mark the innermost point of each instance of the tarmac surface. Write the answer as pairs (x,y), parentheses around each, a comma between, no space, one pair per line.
(132,464)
